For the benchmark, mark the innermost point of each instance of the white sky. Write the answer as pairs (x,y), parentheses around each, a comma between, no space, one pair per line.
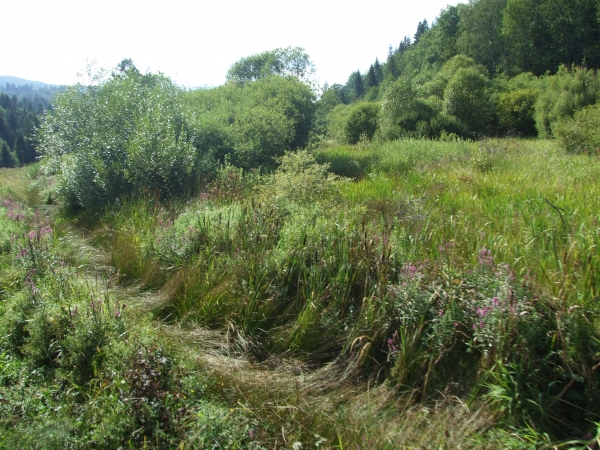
(195,42)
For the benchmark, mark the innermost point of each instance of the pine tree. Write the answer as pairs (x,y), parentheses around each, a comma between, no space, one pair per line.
(421,29)
(356,82)
(378,71)
(6,157)
(371,77)
(390,68)
(404,45)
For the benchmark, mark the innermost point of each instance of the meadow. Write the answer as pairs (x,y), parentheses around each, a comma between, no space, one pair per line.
(408,294)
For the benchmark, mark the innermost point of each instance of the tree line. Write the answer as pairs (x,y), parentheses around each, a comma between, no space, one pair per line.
(18,119)
(488,67)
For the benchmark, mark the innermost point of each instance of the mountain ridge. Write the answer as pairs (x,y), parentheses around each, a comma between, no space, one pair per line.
(22,82)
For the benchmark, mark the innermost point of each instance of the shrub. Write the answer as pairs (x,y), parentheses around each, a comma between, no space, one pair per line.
(580,134)
(336,121)
(562,94)
(253,123)
(362,120)
(401,111)
(299,178)
(122,135)
(515,111)
(467,98)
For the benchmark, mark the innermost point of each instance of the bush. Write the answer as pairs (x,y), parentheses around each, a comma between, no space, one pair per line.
(125,134)
(562,94)
(362,120)
(467,98)
(336,121)
(253,123)
(515,111)
(398,109)
(580,134)
(300,179)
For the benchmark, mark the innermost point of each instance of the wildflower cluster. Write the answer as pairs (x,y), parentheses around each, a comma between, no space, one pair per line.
(485,257)
(15,211)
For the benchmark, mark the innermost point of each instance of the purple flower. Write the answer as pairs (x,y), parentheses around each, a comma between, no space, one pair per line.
(485,257)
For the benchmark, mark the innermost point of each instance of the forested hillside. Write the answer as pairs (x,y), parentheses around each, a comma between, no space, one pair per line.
(21,106)
(478,70)
(18,118)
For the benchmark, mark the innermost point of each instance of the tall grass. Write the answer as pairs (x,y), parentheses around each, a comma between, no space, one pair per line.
(79,368)
(444,267)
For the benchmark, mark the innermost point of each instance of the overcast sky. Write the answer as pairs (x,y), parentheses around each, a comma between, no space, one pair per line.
(195,42)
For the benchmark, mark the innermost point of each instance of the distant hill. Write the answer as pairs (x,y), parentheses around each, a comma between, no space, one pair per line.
(4,79)
(33,90)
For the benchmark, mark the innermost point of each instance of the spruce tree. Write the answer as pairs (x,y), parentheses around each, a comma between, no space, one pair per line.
(378,71)
(357,84)
(421,29)
(6,157)
(404,45)
(371,77)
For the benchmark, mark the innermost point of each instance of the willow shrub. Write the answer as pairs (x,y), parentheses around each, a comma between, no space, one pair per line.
(580,134)
(562,94)
(120,135)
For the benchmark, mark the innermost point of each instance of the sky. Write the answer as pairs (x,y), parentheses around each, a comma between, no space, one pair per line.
(194,42)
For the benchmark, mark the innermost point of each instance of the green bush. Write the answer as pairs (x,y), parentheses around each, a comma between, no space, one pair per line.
(562,94)
(515,112)
(253,123)
(362,120)
(299,179)
(122,135)
(401,110)
(467,98)
(580,134)
(336,121)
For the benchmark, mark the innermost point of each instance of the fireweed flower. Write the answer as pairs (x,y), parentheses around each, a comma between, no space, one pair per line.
(485,257)
(412,270)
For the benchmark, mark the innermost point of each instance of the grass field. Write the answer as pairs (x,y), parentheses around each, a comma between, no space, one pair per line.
(420,294)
